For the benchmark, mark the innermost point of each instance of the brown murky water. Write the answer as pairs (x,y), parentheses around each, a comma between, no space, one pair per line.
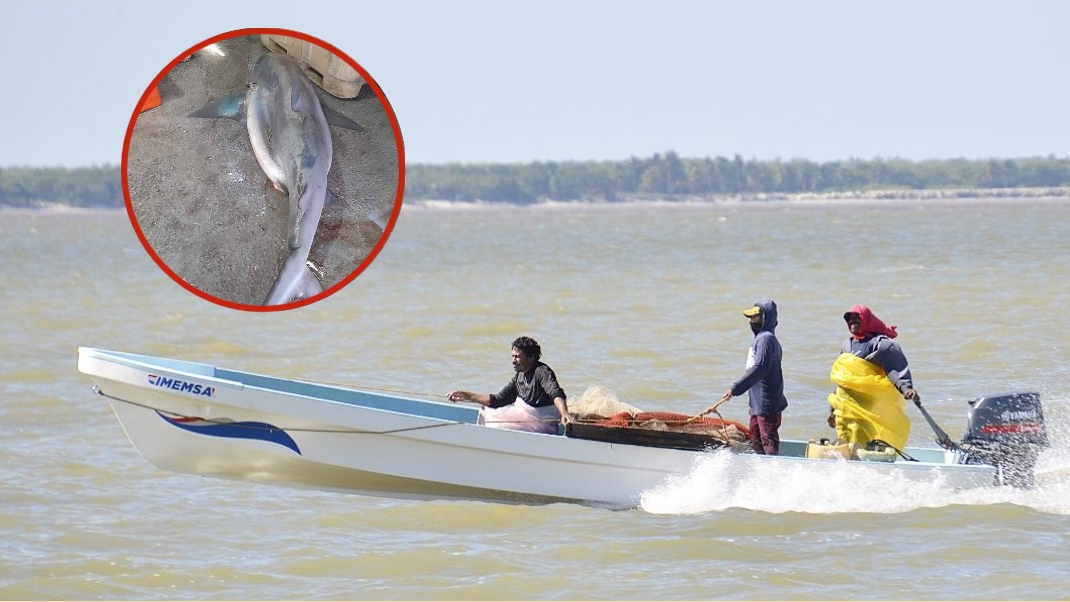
(644,300)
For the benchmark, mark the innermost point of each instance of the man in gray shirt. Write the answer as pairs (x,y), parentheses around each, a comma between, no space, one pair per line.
(531,401)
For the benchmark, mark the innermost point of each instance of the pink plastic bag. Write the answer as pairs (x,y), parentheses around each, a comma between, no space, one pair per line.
(519,416)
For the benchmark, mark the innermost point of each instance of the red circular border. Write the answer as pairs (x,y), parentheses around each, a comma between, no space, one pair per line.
(397,141)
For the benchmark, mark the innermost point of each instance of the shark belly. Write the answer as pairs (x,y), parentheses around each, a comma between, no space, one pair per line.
(293,139)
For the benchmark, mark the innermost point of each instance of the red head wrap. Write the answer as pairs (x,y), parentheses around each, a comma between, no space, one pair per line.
(871,324)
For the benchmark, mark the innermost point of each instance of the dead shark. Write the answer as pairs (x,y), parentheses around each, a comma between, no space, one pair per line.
(288,130)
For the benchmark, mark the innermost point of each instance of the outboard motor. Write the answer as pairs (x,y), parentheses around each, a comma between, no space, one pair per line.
(1006,431)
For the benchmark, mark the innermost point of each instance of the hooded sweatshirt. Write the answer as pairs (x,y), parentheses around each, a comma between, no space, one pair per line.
(874,344)
(763,379)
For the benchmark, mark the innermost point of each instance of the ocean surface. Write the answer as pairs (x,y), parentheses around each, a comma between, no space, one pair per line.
(644,299)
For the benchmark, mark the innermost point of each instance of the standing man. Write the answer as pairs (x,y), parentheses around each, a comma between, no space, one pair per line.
(763,380)
(531,401)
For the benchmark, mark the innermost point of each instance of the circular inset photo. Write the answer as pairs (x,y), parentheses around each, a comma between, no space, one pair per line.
(263,169)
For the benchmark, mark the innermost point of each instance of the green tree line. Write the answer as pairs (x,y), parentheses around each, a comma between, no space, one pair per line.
(669,176)
(77,187)
(660,176)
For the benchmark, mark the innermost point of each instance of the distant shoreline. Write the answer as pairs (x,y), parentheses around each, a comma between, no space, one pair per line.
(875,196)
(855,196)
(950,193)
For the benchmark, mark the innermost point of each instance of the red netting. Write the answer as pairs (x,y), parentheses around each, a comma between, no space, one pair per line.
(671,420)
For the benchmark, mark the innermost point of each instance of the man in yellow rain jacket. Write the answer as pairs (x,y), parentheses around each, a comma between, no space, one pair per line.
(872,377)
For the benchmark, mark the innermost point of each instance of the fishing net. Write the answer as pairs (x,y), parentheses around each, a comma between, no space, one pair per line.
(599,401)
(599,406)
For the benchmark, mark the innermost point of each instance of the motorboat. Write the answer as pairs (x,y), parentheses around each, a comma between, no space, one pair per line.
(200,419)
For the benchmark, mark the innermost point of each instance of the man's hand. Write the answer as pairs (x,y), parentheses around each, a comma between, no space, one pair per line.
(562,409)
(914,396)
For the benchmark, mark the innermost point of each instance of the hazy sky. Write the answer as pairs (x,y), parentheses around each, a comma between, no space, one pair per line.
(542,80)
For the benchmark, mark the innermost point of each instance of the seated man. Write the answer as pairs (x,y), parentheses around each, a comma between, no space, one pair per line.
(531,401)
(872,377)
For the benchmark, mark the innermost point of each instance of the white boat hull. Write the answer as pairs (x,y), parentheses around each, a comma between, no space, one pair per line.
(198,419)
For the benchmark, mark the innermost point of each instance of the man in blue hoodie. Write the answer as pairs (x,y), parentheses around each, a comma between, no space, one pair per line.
(763,380)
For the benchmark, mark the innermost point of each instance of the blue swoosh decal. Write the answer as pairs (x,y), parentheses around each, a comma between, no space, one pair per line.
(235,430)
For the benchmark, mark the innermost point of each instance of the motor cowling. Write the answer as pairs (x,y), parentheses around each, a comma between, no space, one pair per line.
(1006,431)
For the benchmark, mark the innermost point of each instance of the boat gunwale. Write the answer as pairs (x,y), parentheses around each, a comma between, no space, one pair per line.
(242,380)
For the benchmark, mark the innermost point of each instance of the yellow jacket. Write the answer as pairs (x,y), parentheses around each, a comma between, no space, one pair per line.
(866,404)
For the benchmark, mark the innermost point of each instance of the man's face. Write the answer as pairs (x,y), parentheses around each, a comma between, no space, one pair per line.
(521,362)
(854,323)
(756,320)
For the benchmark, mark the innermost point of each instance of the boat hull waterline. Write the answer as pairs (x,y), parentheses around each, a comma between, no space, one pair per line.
(198,419)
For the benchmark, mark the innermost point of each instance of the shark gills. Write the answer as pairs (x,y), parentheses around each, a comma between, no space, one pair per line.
(289,134)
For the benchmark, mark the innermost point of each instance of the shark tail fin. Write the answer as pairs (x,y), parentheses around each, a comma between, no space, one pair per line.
(307,284)
(228,107)
(337,119)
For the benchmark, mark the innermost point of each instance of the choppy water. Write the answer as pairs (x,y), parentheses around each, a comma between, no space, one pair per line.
(644,300)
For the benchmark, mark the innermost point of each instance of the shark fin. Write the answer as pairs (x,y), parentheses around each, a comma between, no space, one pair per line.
(373,216)
(299,101)
(379,220)
(337,119)
(228,107)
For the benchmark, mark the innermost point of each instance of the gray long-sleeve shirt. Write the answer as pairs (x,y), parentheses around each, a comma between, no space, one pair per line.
(538,387)
(887,354)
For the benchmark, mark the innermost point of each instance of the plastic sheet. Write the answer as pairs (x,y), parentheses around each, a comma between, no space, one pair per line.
(866,404)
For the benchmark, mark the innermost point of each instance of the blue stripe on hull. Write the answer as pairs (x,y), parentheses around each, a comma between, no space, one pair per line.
(237,430)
